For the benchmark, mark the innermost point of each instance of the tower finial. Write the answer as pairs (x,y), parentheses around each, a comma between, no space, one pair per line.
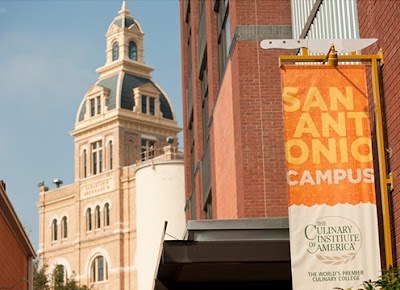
(124,10)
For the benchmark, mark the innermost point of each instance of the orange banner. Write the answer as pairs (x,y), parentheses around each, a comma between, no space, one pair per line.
(327,135)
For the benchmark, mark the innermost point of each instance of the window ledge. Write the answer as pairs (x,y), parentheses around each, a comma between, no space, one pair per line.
(99,282)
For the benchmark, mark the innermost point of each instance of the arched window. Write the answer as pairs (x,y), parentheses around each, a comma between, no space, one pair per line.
(84,163)
(59,277)
(111,154)
(54,230)
(99,271)
(64,227)
(132,50)
(88,219)
(98,218)
(115,51)
(106,215)
(97,157)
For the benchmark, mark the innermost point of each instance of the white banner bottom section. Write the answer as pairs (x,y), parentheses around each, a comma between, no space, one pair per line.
(334,246)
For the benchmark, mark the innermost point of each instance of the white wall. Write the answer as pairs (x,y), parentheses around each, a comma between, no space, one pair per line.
(336,19)
(160,197)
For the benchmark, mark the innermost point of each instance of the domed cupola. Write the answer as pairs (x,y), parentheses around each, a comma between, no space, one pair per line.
(124,81)
(124,38)
(125,112)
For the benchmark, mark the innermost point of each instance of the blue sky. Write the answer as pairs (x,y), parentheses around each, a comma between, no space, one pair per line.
(49,51)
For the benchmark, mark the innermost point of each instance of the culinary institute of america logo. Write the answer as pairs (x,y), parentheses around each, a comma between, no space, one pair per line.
(333,240)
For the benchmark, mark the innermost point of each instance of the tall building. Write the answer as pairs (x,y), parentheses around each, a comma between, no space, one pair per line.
(235,174)
(235,161)
(235,168)
(16,250)
(104,229)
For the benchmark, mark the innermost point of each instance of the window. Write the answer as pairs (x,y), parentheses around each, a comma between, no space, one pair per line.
(97,217)
(151,106)
(132,50)
(115,51)
(88,220)
(95,106)
(99,270)
(205,117)
(59,277)
(192,149)
(148,105)
(201,3)
(144,104)
(192,171)
(98,105)
(97,157)
(224,41)
(106,215)
(64,227)
(92,107)
(147,149)
(110,148)
(189,34)
(84,163)
(54,230)
(204,109)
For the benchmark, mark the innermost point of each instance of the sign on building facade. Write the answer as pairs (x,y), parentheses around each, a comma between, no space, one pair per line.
(330,175)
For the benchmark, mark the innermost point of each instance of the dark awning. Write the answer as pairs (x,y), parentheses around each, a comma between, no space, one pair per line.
(231,254)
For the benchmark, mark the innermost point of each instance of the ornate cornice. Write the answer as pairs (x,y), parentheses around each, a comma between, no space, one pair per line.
(131,120)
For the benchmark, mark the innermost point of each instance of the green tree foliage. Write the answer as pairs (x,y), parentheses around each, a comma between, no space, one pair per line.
(390,280)
(58,278)
(40,279)
(56,281)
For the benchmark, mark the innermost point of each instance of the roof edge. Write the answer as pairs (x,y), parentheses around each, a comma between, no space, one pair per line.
(14,222)
(238,224)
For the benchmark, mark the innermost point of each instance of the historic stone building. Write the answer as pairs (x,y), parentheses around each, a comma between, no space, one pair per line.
(106,227)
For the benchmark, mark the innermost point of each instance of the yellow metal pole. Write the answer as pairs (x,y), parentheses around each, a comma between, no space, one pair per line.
(383,178)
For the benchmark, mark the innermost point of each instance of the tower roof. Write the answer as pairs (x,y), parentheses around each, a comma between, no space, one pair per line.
(124,19)
(125,70)
(120,87)
(128,21)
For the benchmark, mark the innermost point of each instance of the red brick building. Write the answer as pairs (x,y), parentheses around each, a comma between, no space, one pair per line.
(234,152)
(16,250)
(233,128)
(379,19)
(235,169)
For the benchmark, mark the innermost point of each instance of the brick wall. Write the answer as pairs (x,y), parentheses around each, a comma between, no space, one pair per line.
(262,189)
(260,12)
(225,139)
(246,139)
(197,116)
(13,261)
(258,95)
(380,19)
(185,131)
(213,85)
